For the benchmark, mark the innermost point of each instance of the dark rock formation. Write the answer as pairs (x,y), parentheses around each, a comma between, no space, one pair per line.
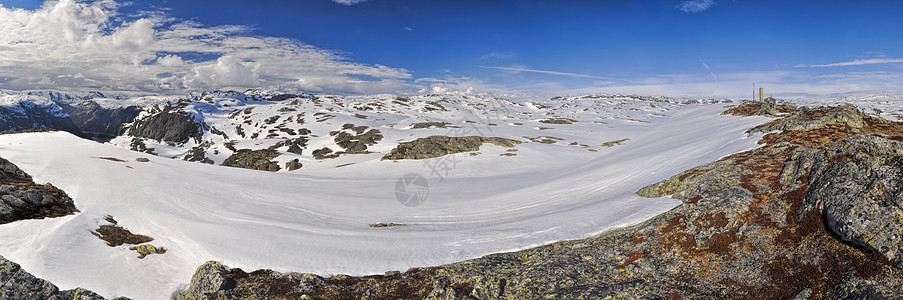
(28,115)
(293,165)
(558,121)
(253,159)
(357,140)
(137,144)
(21,198)
(438,145)
(16,283)
(432,124)
(295,146)
(198,154)
(170,125)
(324,153)
(100,123)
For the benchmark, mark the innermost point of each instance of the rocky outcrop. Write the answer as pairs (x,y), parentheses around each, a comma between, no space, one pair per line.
(213,280)
(137,144)
(355,139)
(811,214)
(293,165)
(21,198)
(558,121)
(857,185)
(198,154)
(16,283)
(98,122)
(768,108)
(821,117)
(253,159)
(169,125)
(438,145)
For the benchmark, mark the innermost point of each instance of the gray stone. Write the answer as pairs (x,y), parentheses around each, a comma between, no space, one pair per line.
(857,184)
(207,280)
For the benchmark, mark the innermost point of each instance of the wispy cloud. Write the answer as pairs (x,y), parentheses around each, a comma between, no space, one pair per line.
(498,55)
(857,62)
(87,45)
(695,6)
(349,2)
(710,71)
(518,69)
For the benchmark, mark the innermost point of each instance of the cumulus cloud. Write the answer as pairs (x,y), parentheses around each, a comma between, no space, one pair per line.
(695,6)
(349,2)
(48,46)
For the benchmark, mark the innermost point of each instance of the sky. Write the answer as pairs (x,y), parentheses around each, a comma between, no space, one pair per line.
(700,48)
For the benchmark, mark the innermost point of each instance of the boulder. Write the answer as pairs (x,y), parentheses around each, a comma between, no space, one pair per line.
(857,184)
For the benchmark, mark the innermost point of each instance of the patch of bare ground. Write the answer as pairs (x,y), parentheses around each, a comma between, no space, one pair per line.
(116,235)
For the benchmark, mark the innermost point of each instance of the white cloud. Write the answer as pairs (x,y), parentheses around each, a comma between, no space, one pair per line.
(518,69)
(695,6)
(171,61)
(857,62)
(498,55)
(226,72)
(349,2)
(40,49)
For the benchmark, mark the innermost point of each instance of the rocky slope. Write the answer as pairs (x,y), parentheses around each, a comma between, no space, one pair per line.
(23,111)
(814,213)
(21,198)
(16,283)
(97,122)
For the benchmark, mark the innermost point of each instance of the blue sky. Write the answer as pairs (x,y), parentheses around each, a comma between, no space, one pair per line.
(697,48)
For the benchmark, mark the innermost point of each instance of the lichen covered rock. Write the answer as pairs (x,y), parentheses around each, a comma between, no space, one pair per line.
(857,184)
(821,117)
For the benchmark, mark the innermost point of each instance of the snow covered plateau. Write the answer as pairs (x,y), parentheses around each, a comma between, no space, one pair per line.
(314,179)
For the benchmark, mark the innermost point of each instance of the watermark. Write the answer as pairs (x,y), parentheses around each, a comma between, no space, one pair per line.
(412,189)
